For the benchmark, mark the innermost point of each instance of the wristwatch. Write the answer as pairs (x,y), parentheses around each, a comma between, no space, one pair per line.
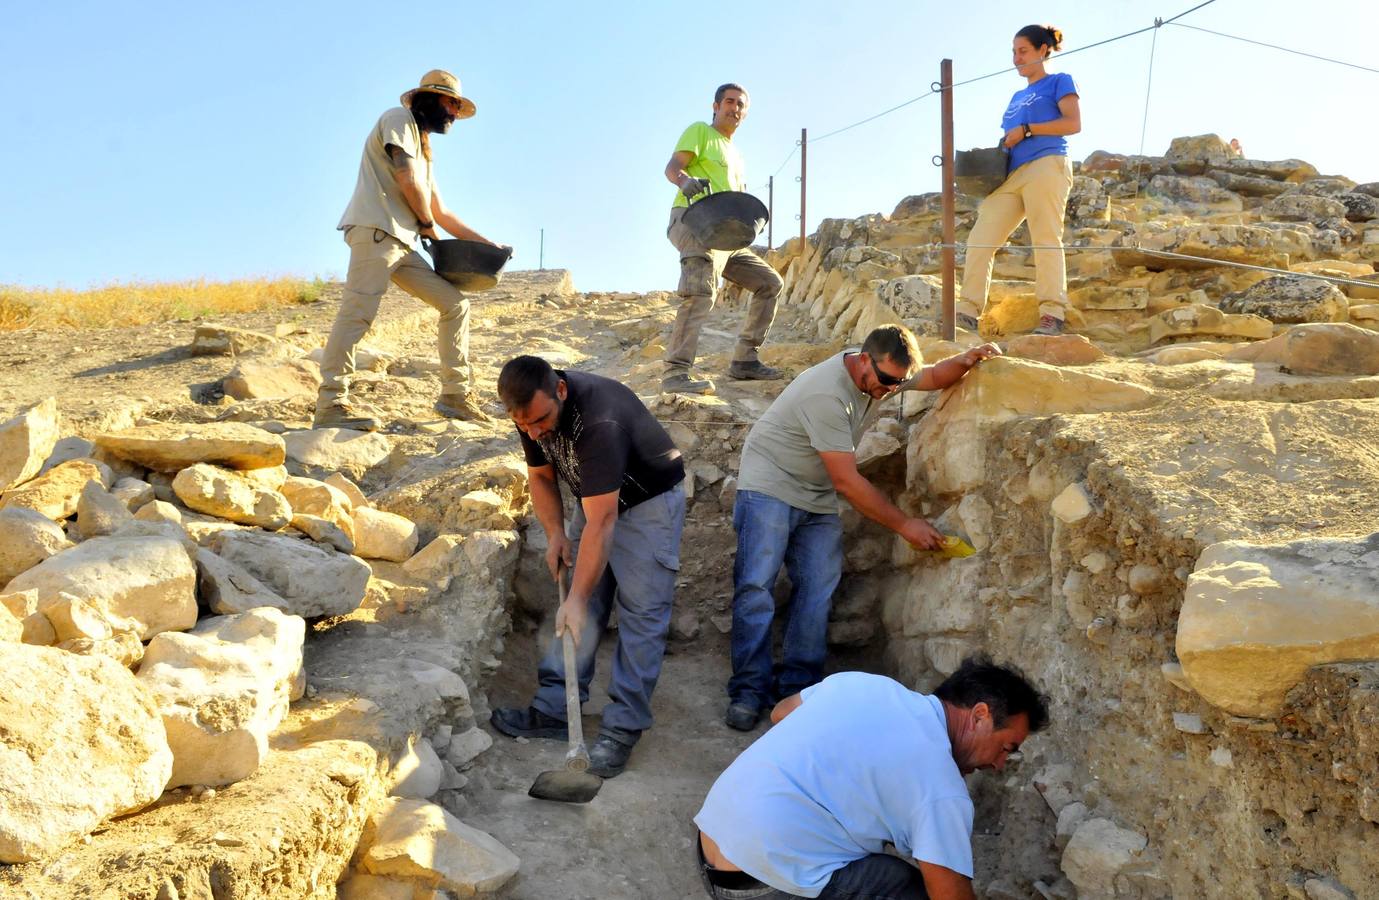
(1028,133)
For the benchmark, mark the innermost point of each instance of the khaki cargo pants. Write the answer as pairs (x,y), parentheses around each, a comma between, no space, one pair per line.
(1037,191)
(700,269)
(376,258)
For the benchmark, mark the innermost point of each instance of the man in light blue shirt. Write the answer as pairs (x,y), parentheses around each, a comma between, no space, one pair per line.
(854,763)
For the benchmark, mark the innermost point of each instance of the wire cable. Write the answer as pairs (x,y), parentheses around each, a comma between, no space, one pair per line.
(1339,62)
(1148,84)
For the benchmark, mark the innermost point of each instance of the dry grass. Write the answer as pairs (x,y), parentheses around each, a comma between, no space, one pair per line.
(140,304)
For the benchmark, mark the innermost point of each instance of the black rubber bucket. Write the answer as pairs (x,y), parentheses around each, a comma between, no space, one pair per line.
(728,220)
(468,265)
(979,172)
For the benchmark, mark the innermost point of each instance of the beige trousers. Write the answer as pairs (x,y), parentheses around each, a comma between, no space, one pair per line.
(1037,191)
(700,269)
(376,258)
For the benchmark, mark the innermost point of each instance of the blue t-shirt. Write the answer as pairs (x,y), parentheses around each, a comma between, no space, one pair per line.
(862,761)
(1038,103)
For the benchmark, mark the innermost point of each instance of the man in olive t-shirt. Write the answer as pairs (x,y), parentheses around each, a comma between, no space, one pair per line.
(798,457)
(705,160)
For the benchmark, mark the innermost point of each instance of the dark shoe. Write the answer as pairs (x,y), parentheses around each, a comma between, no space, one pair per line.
(459,406)
(1049,325)
(682,383)
(755,370)
(607,758)
(344,414)
(968,322)
(741,716)
(529,723)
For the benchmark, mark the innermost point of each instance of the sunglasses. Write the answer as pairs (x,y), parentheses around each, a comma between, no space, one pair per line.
(886,379)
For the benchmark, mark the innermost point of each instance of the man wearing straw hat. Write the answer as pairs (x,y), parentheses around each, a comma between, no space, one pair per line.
(706,159)
(396,201)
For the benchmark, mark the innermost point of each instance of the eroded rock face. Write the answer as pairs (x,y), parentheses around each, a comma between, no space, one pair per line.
(93,749)
(1322,348)
(26,441)
(148,579)
(221,688)
(422,843)
(1290,299)
(311,581)
(1256,617)
(172,446)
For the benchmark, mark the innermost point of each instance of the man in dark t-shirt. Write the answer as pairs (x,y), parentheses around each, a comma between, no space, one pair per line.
(595,436)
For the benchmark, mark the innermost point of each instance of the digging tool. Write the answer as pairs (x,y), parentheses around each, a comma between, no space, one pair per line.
(574,783)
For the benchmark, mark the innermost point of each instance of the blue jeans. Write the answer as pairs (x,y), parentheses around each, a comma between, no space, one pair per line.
(874,877)
(770,533)
(640,579)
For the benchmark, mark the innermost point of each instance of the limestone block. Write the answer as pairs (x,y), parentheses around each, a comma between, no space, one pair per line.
(1144,578)
(1326,889)
(1256,617)
(948,450)
(310,580)
(315,453)
(219,492)
(158,511)
(75,617)
(1207,147)
(124,647)
(1359,207)
(1072,505)
(226,588)
(466,746)
(1297,207)
(483,503)
(944,599)
(27,538)
(1109,297)
(99,511)
(1194,193)
(1364,312)
(1056,350)
(56,492)
(26,441)
(1098,851)
(1197,319)
(371,887)
(1322,348)
(255,380)
(323,531)
(366,359)
(421,842)
(11,627)
(352,491)
(438,559)
(134,493)
(221,689)
(876,447)
(172,446)
(418,774)
(316,498)
(23,605)
(384,535)
(149,579)
(913,297)
(225,340)
(945,654)
(84,743)
(1070,818)
(264,478)
(1290,299)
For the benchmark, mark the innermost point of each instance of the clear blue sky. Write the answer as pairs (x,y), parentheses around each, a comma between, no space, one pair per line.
(162,141)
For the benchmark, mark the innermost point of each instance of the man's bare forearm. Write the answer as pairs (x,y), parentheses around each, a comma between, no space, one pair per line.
(545,499)
(869,500)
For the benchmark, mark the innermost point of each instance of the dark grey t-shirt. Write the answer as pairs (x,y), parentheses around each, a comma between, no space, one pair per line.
(607,440)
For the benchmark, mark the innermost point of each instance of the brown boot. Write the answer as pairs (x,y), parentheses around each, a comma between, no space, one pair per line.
(461,407)
(345,414)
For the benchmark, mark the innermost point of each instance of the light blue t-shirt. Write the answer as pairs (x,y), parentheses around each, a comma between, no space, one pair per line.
(1038,102)
(861,762)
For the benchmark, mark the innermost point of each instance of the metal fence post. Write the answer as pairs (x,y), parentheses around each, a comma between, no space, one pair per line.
(949,321)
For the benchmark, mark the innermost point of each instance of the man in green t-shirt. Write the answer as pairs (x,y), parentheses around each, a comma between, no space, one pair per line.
(705,159)
(798,458)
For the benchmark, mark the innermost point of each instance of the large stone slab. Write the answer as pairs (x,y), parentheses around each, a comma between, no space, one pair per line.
(82,743)
(1290,299)
(172,446)
(322,451)
(257,380)
(1198,320)
(1099,851)
(311,581)
(56,492)
(1256,617)
(1322,348)
(26,441)
(149,579)
(384,535)
(27,538)
(317,498)
(222,688)
(220,492)
(420,842)
(226,588)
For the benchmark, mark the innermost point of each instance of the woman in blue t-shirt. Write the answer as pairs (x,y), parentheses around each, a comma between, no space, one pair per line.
(1035,123)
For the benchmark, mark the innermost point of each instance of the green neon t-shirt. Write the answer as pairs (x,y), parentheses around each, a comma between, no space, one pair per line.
(715,158)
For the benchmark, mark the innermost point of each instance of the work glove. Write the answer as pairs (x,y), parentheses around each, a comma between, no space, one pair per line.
(693,187)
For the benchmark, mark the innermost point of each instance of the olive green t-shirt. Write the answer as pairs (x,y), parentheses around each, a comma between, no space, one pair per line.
(378,201)
(820,411)
(715,158)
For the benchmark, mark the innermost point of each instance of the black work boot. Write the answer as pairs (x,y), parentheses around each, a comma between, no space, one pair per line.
(529,723)
(608,756)
(741,716)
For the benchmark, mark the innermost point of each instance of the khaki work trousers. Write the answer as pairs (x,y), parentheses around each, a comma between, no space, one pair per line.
(377,257)
(700,269)
(1037,191)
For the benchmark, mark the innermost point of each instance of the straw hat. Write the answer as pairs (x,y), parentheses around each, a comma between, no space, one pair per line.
(439,81)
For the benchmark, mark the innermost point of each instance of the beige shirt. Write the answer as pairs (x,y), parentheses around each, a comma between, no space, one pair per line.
(378,201)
